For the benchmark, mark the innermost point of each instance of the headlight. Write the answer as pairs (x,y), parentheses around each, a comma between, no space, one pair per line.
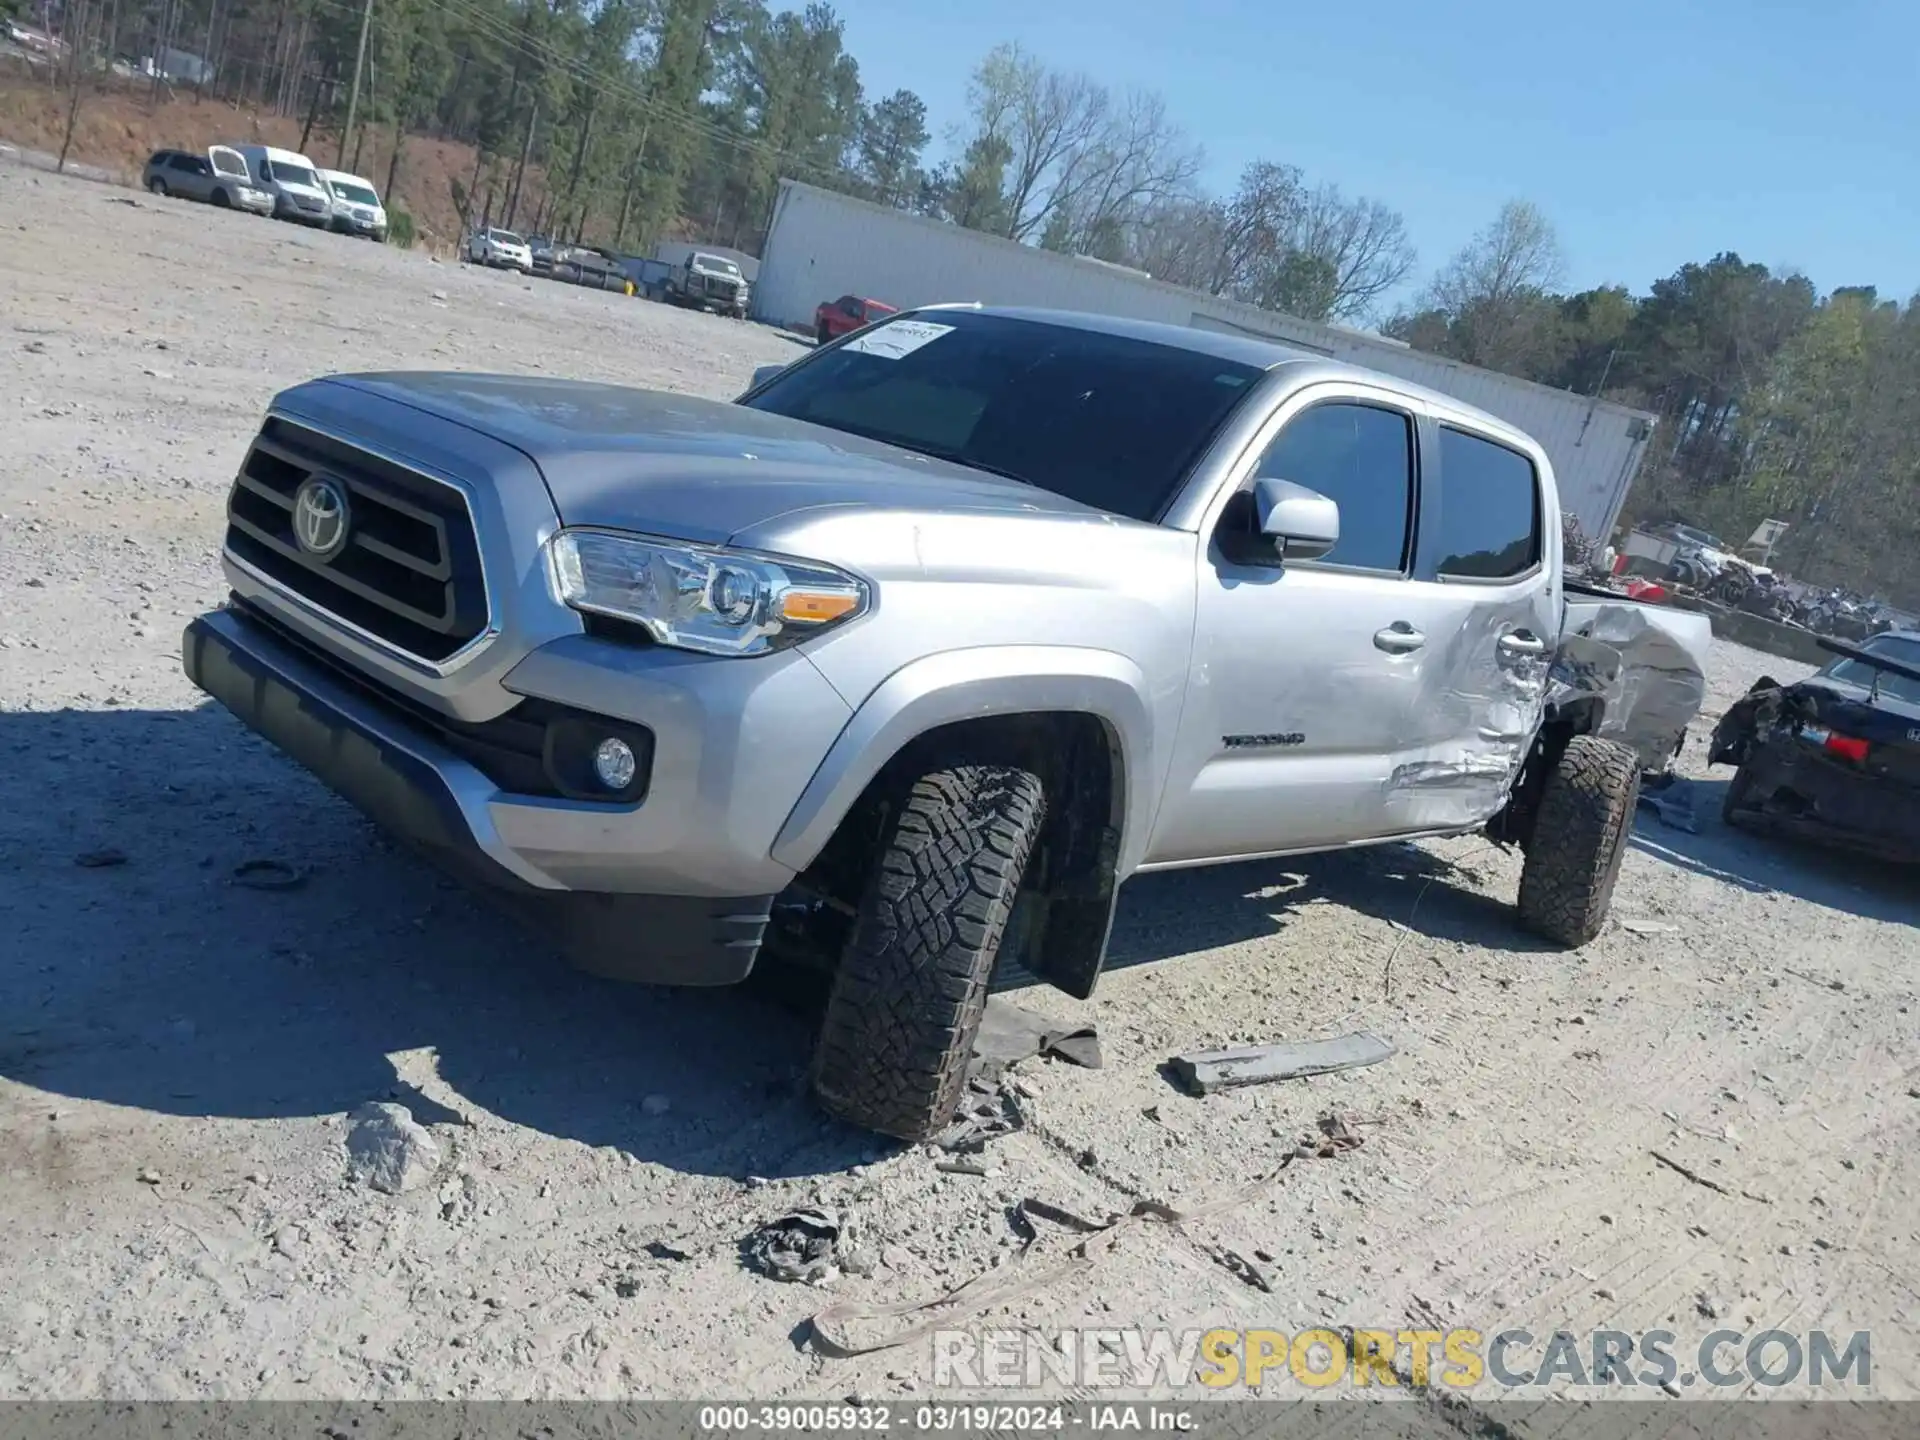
(718,602)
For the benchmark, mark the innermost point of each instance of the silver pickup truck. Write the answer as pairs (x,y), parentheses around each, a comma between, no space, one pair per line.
(911,655)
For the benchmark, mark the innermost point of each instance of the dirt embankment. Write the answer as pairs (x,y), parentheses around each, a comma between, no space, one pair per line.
(121,124)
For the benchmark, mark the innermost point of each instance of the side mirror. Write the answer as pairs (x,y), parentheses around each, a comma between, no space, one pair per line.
(764,373)
(1302,523)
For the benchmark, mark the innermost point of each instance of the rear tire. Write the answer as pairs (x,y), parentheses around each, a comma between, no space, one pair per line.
(221,199)
(1579,838)
(157,185)
(909,991)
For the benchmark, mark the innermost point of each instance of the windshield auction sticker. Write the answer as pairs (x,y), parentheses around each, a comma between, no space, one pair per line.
(902,337)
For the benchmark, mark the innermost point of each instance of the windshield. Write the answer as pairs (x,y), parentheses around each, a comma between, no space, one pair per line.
(288,173)
(358,194)
(1858,672)
(717,265)
(506,237)
(229,163)
(1109,421)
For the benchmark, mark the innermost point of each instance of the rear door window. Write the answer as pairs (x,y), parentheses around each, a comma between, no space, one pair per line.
(1489,526)
(1361,457)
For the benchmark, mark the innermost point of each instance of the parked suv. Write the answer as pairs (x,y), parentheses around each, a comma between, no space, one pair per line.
(216,176)
(500,250)
(901,663)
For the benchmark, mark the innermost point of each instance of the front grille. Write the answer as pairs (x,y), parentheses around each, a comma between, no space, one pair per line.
(410,573)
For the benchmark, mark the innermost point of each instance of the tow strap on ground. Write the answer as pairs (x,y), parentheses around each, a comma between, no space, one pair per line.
(1027,1276)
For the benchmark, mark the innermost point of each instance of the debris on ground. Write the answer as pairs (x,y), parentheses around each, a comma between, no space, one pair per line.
(268,875)
(100,859)
(1649,927)
(1206,1071)
(1688,1172)
(1332,1135)
(1011,1033)
(388,1149)
(1025,1276)
(1672,801)
(660,1250)
(149,1176)
(812,1246)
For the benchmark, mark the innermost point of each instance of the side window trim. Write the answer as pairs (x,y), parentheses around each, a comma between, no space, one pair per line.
(1290,408)
(1428,565)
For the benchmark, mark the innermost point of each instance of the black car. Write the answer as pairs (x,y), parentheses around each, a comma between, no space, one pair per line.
(1836,757)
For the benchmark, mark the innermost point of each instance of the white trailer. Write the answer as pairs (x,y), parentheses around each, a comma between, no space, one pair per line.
(823,245)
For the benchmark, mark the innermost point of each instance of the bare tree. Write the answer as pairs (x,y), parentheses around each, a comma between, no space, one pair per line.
(1496,293)
(1139,159)
(1518,254)
(1362,244)
(1049,121)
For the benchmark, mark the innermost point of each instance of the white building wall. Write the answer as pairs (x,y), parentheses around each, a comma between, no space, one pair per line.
(823,245)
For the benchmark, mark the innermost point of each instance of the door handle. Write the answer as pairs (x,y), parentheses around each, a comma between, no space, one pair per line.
(1399,638)
(1523,642)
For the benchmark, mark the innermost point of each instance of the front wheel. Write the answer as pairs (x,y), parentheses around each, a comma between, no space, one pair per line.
(1579,838)
(910,989)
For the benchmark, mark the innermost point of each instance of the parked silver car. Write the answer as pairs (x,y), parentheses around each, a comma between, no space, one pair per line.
(217,176)
(910,657)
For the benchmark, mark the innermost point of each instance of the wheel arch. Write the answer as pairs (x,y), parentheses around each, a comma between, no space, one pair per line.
(1080,718)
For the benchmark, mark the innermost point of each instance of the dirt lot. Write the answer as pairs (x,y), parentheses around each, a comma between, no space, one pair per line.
(177,1051)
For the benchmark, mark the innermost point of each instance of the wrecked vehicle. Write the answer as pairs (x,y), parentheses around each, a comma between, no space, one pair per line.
(1834,758)
(912,654)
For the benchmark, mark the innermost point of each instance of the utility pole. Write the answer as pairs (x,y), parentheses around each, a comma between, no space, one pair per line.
(353,95)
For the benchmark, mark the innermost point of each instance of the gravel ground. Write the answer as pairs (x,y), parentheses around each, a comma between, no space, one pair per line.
(178,1052)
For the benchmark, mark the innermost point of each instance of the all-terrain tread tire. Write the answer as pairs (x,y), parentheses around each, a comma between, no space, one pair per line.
(908,994)
(1579,839)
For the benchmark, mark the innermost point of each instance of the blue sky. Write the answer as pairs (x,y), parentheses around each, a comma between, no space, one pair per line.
(1652,132)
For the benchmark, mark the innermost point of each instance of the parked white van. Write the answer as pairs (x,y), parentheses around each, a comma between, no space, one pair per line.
(294,181)
(356,205)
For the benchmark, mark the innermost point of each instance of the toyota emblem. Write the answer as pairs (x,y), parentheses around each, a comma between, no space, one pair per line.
(320,517)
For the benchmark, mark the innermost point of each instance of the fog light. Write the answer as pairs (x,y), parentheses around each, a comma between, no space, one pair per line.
(614,764)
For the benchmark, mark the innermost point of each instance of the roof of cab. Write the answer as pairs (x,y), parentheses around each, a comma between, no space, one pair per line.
(276,154)
(1245,350)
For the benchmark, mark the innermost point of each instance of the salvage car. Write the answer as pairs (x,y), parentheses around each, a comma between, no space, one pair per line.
(902,662)
(1834,758)
(217,176)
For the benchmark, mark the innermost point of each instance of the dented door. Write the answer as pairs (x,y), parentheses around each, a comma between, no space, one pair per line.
(1487,571)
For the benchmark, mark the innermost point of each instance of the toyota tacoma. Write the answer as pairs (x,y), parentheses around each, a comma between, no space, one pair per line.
(906,659)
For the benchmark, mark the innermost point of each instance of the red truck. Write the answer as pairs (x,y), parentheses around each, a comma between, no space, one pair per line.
(835,318)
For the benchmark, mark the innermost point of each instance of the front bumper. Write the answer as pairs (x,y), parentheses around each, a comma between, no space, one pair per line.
(1790,787)
(421,791)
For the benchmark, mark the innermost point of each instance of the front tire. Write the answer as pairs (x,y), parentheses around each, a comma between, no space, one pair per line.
(1579,839)
(909,991)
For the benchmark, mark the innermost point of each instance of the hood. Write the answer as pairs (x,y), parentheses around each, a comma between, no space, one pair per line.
(693,469)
